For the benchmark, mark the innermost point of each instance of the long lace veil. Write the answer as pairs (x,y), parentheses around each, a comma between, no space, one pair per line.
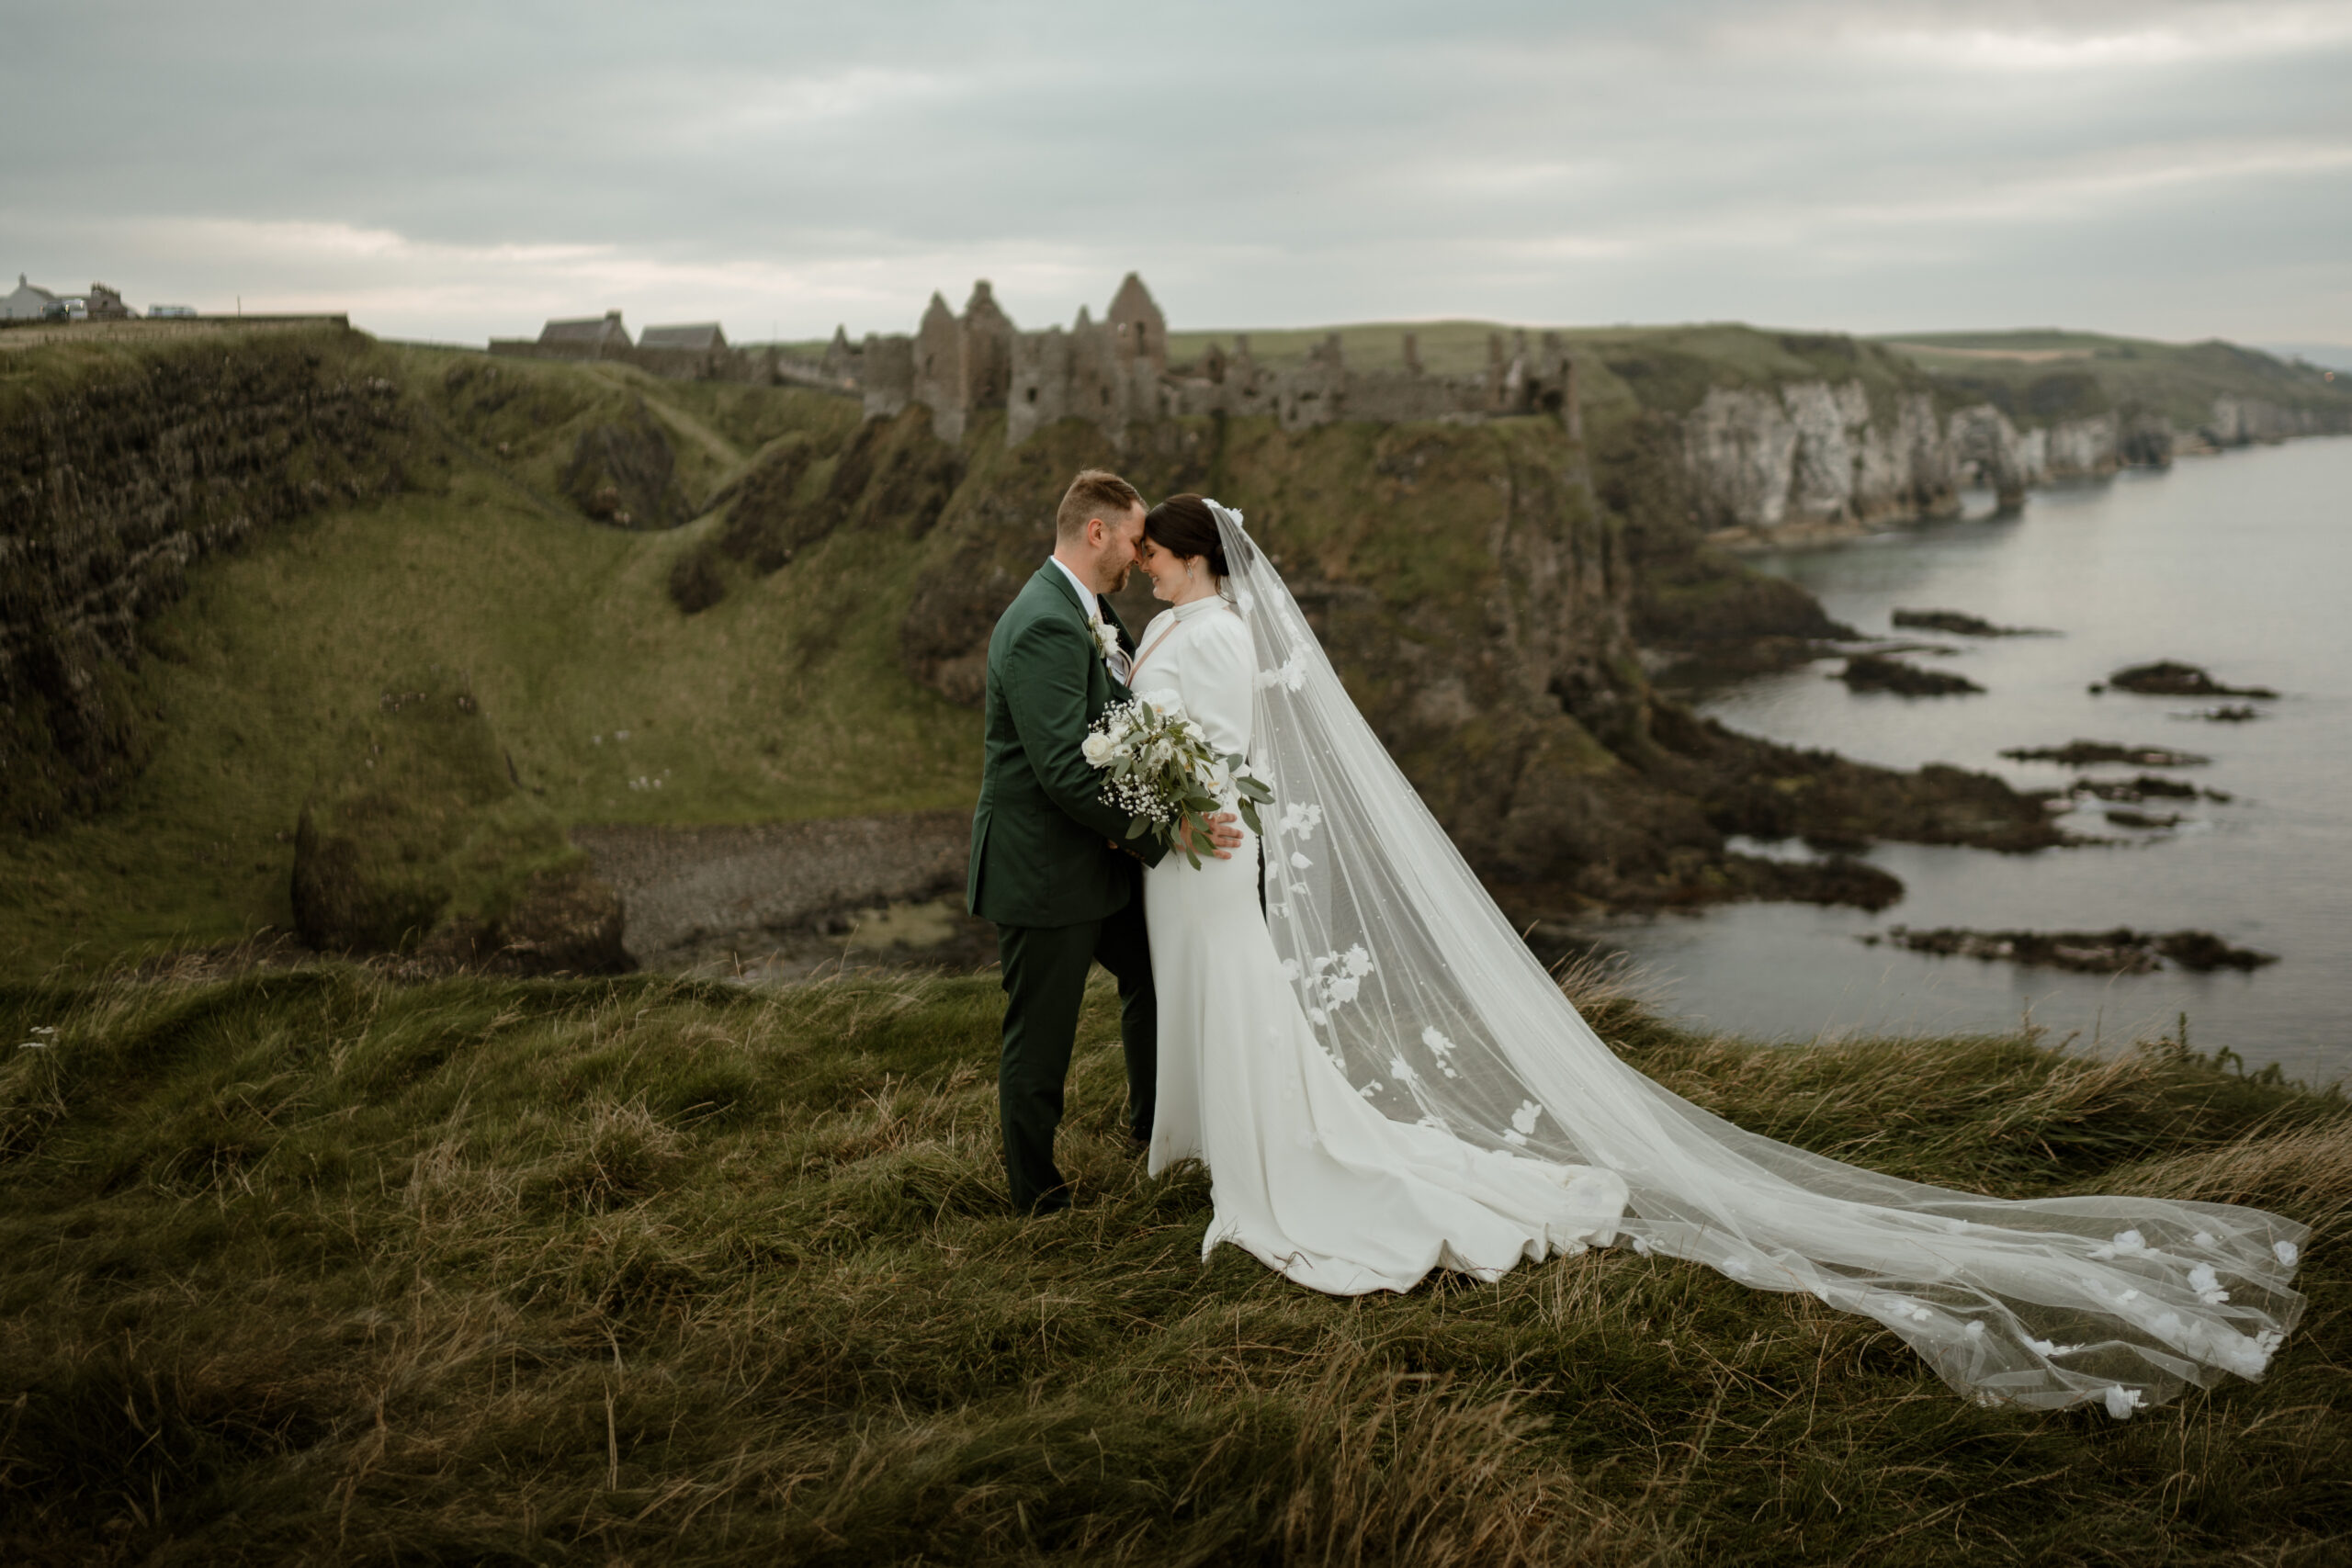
(1437,1012)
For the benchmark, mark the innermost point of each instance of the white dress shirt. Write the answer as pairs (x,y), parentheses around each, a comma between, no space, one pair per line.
(1115,661)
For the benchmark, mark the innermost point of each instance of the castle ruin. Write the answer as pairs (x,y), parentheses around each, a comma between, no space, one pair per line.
(1115,372)
(1112,373)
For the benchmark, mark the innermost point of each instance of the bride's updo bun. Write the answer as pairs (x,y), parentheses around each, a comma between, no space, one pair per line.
(1185,528)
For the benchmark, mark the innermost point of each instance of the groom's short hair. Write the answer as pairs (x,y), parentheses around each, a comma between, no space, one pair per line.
(1096,492)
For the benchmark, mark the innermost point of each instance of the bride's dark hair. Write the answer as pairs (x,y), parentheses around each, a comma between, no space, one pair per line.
(1185,528)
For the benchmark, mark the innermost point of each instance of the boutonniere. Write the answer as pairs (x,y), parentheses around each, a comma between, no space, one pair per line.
(1107,639)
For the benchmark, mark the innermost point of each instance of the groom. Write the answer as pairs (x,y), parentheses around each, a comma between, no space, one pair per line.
(1048,865)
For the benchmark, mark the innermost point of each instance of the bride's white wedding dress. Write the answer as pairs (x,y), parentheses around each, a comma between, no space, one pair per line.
(1305,1173)
(1382,1080)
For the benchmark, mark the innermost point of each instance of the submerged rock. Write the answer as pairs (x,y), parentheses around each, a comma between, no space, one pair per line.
(2167,678)
(1870,672)
(2085,754)
(1960,622)
(2141,788)
(2119,952)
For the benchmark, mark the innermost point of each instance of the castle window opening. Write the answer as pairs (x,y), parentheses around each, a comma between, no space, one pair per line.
(1033,394)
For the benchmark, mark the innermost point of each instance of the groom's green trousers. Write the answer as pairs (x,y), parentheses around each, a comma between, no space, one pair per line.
(1044,984)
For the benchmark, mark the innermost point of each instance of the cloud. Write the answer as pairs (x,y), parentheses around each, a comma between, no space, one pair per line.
(455,171)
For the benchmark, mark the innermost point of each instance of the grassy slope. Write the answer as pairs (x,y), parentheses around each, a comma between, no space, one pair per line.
(1671,367)
(773,705)
(306,1267)
(1668,367)
(2177,380)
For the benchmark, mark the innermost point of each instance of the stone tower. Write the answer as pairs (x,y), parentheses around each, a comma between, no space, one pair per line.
(939,368)
(988,351)
(1138,331)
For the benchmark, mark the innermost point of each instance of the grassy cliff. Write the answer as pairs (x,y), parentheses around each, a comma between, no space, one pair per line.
(315,1268)
(2038,377)
(368,628)
(2042,375)
(284,653)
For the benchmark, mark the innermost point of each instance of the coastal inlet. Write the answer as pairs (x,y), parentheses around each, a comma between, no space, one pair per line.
(2194,711)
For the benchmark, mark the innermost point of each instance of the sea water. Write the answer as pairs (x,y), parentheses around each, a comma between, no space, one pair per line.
(2241,563)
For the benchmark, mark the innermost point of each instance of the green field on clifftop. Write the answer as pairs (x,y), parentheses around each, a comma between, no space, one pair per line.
(1670,367)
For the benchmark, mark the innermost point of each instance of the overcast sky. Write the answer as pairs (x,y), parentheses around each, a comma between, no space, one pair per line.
(452,170)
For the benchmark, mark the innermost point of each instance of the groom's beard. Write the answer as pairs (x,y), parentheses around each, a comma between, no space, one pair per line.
(1120,581)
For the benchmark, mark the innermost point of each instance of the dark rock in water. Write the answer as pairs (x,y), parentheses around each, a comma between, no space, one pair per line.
(2228,713)
(2169,679)
(1868,672)
(2085,754)
(2119,952)
(2125,817)
(1838,879)
(1959,623)
(2141,788)
(2203,952)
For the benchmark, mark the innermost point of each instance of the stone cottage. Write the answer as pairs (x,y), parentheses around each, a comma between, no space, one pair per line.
(586,337)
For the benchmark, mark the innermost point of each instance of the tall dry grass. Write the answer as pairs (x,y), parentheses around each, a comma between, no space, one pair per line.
(309,1267)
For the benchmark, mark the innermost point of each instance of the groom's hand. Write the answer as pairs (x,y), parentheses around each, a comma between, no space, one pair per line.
(1223,835)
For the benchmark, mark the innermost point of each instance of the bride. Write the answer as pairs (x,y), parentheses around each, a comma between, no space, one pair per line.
(1383,1081)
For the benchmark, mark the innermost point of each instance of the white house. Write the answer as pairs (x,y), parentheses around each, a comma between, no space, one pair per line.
(26,303)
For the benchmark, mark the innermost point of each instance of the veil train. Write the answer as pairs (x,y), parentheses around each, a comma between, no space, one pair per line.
(1434,1009)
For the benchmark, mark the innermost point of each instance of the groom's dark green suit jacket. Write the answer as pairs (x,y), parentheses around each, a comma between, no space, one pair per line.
(1040,850)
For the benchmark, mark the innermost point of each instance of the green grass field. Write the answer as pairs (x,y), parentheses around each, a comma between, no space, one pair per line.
(779,703)
(307,1267)
(1671,367)
(2176,380)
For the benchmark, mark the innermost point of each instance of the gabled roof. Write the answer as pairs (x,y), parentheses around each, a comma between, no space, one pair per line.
(27,299)
(1132,300)
(606,328)
(697,335)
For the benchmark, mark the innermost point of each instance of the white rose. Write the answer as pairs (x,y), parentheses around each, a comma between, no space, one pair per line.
(1098,750)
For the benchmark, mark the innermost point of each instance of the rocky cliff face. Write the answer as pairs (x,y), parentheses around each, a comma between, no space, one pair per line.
(1480,602)
(118,471)
(1815,453)
(2238,422)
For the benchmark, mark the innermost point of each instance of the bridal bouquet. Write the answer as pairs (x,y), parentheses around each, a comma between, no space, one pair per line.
(1164,775)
